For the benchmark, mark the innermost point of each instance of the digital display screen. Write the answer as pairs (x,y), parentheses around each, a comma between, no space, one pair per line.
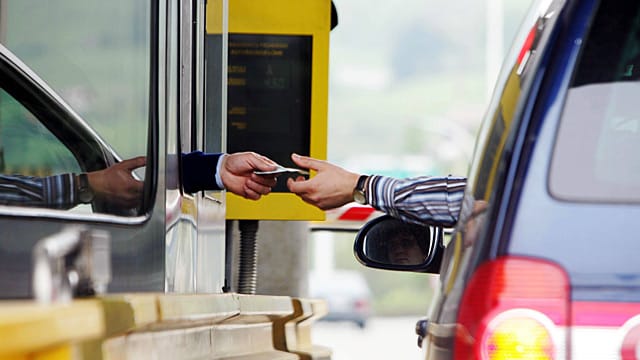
(269,96)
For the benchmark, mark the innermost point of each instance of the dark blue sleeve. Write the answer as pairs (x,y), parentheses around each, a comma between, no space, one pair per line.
(199,171)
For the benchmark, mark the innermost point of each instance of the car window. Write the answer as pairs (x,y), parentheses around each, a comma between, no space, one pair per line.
(601,105)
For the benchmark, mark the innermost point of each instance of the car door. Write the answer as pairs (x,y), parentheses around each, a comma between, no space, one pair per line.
(472,241)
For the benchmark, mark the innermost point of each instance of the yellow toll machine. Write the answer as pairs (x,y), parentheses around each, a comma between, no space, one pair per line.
(277,84)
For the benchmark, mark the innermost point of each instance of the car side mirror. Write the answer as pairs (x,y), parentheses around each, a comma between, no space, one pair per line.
(391,244)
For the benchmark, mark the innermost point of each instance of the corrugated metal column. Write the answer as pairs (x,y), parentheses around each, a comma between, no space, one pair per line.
(283,263)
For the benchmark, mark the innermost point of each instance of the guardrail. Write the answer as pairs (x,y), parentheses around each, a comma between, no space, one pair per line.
(162,326)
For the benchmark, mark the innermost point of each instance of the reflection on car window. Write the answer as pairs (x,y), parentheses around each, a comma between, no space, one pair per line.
(601,105)
(29,152)
(100,70)
(26,146)
(395,242)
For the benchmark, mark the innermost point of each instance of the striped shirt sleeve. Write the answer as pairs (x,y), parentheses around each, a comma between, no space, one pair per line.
(56,192)
(423,200)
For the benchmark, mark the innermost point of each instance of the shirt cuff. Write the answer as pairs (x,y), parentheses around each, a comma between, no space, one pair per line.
(218,167)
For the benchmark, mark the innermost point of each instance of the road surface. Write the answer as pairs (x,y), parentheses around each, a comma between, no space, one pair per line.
(384,338)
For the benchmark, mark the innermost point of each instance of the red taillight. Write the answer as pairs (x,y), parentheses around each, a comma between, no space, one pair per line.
(630,347)
(511,309)
(518,334)
(528,42)
(362,305)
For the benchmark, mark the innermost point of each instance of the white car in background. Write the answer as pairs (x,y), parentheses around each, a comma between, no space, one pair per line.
(347,294)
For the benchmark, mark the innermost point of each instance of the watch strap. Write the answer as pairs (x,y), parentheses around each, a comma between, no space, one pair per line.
(362,181)
(359,193)
(85,193)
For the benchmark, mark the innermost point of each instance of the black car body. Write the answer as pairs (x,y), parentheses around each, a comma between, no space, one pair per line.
(542,263)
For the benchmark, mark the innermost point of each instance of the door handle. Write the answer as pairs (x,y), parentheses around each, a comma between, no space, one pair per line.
(74,262)
(421,330)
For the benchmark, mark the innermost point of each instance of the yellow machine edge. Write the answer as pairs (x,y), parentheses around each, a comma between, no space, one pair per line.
(288,17)
(163,326)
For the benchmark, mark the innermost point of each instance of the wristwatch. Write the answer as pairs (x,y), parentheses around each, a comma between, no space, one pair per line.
(85,193)
(359,195)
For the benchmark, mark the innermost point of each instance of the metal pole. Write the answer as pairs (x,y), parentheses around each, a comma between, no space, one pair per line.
(494,53)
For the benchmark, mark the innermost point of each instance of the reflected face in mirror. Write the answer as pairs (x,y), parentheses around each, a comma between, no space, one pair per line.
(404,249)
(397,243)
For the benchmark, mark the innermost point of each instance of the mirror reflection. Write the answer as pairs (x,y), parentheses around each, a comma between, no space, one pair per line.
(395,242)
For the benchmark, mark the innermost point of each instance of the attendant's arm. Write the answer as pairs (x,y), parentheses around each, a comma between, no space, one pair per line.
(199,171)
(233,172)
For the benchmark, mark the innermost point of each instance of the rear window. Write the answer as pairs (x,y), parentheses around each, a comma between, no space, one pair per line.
(598,142)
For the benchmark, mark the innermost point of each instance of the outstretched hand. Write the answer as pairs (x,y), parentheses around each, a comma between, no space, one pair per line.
(237,174)
(117,185)
(331,187)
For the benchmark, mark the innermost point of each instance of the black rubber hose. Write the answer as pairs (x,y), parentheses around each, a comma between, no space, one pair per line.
(248,275)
